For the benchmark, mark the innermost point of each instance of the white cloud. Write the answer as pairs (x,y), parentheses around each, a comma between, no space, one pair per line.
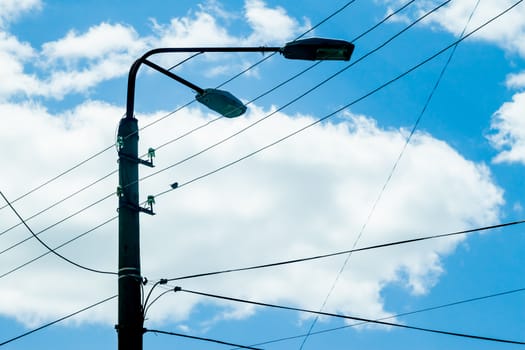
(212,26)
(516,80)
(271,25)
(98,42)
(13,56)
(204,27)
(308,195)
(10,10)
(73,64)
(509,131)
(507,32)
(78,61)
(200,29)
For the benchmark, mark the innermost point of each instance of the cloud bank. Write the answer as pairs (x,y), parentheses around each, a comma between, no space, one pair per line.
(306,196)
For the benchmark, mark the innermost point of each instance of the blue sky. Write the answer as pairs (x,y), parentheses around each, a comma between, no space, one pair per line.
(63,73)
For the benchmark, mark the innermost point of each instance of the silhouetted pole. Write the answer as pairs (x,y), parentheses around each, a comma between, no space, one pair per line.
(130,325)
(130,317)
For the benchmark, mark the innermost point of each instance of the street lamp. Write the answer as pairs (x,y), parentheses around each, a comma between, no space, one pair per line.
(130,313)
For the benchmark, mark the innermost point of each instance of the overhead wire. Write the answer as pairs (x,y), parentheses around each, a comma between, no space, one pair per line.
(301,95)
(458,41)
(208,123)
(326,19)
(175,139)
(63,173)
(47,252)
(5,342)
(390,175)
(333,14)
(251,125)
(274,264)
(464,37)
(156,331)
(14,245)
(51,249)
(346,106)
(280,262)
(60,202)
(353,250)
(431,308)
(59,175)
(354,318)
(163,281)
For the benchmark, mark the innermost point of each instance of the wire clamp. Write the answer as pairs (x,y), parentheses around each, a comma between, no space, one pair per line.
(149,202)
(149,208)
(119,191)
(151,154)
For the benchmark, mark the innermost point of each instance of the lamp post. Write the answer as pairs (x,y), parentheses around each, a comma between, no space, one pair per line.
(130,313)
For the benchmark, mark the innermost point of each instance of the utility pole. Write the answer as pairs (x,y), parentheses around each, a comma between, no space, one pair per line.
(130,325)
(130,318)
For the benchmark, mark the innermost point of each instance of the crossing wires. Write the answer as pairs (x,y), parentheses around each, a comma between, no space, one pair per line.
(109,147)
(389,177)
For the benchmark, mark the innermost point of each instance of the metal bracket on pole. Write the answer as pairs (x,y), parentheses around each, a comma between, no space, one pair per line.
(146,210)
(148,163)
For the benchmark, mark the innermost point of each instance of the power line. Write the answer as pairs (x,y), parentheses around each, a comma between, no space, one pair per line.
(519,290)
(210,122)
(394,13)
(91,185)
(354,318)
(390,175)
(351,103)
(224,140)
(170,113)
(370,93)
(317,257)
(298,97)
(145,306)
(56,321)
(60,201)
(192,130)
(54,224)
(51,249)
(59,175)
(353,250)
(57,247)
(336,12)
(275,264)
(156,331)
(333,14)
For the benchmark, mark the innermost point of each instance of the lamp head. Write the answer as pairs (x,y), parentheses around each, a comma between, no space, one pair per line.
(315,49)
(221,102)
